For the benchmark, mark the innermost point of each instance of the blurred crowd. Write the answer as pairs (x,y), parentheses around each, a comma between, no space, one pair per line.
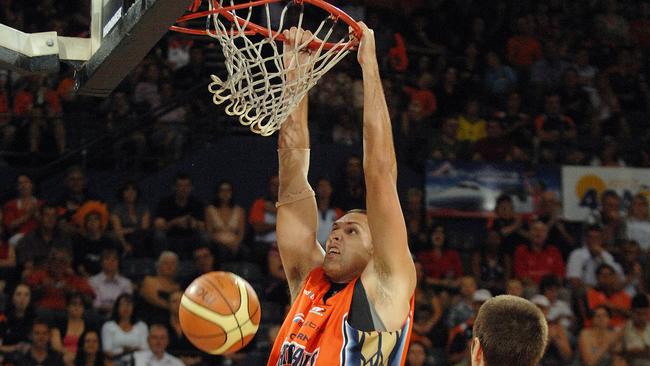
(543,82)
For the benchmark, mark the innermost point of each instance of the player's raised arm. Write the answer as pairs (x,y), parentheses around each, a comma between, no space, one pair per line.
(297,220)
(391,256)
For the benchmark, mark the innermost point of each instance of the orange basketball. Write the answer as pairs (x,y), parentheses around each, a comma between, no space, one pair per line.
(219,312)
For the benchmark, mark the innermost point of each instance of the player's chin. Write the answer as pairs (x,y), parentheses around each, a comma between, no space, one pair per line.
(332,267)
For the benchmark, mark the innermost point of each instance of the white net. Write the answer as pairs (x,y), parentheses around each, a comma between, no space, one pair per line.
(257,89)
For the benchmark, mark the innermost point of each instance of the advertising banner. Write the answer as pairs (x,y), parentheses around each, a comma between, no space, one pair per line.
(583,186)
(470,189)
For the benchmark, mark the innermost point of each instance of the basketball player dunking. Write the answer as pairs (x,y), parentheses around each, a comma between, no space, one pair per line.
(353,304)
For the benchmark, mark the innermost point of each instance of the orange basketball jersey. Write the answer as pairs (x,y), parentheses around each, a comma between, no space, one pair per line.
(317,333)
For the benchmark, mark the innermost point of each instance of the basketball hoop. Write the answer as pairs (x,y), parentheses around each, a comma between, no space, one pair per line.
(257,89)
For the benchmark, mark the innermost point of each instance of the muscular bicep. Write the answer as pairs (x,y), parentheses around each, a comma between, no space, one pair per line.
(297,223)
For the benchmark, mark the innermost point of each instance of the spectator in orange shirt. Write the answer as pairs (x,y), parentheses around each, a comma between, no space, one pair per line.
(606,293)
(523,49)
(423,93)
(39,106)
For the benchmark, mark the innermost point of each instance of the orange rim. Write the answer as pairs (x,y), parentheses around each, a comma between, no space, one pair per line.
(252,28)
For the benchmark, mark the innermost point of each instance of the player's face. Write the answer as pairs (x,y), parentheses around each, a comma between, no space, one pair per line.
(348,249)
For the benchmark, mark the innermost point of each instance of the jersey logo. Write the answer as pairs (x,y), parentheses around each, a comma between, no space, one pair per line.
(310,294)
(293,354)
(317,310)
(299,318)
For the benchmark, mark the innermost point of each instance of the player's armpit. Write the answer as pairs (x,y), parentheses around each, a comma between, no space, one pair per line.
(388,229)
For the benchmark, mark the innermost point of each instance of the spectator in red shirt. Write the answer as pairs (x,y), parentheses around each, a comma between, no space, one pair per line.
(537,259)
(21,214)
(495,146)
(40,107)
(423,94)
(397,55)
(51,284)
(442,266)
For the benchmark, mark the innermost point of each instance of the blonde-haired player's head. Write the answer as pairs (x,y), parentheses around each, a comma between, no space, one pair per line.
(508,330)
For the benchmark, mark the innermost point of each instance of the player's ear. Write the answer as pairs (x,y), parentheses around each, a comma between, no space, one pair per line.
(476,353)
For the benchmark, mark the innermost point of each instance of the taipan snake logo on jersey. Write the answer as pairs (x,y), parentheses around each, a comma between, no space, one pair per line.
(293,354)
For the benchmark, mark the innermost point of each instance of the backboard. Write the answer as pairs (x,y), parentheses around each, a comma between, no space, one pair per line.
(121,33)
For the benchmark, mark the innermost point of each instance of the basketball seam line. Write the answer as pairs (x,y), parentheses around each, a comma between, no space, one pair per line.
(233,312)
(225,333)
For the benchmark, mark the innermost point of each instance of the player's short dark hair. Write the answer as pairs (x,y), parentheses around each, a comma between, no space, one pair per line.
(511,330)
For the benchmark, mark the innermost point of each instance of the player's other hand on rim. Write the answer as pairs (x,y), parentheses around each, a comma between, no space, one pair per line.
(298,57)
(366,54)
